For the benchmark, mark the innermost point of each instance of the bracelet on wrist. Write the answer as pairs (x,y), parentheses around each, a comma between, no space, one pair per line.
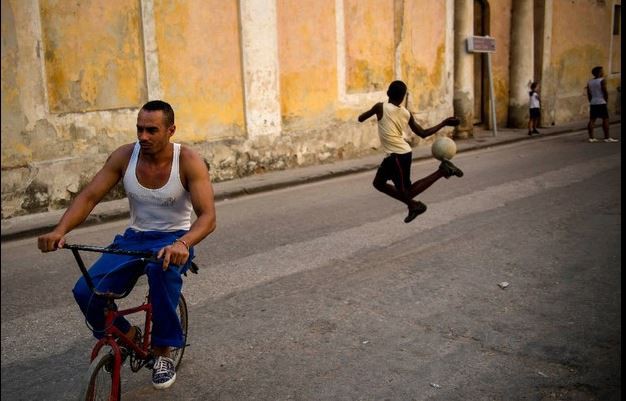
(182,241)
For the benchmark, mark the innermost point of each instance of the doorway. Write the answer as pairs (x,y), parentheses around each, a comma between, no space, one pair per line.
(481,88)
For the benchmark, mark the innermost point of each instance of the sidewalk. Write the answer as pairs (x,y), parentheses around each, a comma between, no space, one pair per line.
(34,224)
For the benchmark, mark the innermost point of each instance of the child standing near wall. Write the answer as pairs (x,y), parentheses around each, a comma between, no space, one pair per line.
(534,105)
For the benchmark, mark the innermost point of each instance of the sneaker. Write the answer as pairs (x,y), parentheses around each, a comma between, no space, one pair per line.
(163,373)
(536,132)
(610,140)
(417,209)
(592,140)
(448,169)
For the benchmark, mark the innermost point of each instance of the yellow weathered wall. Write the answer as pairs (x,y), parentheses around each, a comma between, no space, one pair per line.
(74,74)
(200,67)
(307,55)
(500,23)
(370,48)
(581,35)
(16,151)
(93,54)
(423,52)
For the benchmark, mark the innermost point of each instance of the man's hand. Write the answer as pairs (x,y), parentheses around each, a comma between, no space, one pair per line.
(176,254)
(50,242)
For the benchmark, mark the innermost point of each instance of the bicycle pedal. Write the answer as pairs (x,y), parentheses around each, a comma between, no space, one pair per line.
(149,363)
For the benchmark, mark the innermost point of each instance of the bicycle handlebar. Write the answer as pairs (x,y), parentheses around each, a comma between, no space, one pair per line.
(145,256)
(101,249)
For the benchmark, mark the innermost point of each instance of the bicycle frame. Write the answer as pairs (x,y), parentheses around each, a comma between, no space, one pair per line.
(118,342)
(111,331)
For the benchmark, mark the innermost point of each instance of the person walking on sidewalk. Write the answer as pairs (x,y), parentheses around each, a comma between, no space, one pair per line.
(534,109)
(396,166)
(164,181)
(598,97)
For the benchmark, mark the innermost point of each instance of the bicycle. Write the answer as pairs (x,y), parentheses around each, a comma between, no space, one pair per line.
(103,378)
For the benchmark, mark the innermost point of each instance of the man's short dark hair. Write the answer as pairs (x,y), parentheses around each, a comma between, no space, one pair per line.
(397,90)
(156,105)
(596,70)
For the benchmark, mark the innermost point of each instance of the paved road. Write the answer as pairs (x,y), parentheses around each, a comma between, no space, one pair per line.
(320,292)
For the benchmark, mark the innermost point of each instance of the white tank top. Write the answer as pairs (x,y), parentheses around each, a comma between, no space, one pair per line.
(391,129)
(534,100)
(163,209)
(595,87)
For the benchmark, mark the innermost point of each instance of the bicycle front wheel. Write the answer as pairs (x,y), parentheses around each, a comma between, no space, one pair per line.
(98,383)
(177,353)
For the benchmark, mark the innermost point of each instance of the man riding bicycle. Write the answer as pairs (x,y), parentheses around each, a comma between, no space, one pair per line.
(164,182)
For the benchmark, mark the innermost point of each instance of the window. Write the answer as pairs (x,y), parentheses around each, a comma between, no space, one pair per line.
(617,17)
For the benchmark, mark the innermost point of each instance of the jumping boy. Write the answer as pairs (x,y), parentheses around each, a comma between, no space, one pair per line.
(392,118)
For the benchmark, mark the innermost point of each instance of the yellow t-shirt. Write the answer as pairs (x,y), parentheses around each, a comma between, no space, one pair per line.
(391,129)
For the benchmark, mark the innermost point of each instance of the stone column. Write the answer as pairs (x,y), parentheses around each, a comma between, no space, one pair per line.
(463,98)
(259,45)
(549,81)
(522,65)
(151,56)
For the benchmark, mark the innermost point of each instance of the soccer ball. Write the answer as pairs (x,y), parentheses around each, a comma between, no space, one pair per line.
(443,148)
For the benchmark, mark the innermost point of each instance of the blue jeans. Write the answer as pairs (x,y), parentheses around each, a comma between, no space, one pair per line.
(119,273)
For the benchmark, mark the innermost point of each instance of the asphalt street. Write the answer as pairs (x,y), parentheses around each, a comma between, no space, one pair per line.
(321,292)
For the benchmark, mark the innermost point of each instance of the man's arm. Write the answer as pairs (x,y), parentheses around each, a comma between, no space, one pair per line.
(87,199)
(423,133)
(605,91)
(377,110)
(198,180)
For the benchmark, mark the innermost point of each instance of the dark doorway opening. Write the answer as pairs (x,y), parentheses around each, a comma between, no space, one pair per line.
(481,84)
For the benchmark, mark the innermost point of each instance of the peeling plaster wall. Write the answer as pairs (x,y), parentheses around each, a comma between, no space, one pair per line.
(422,53)
(199,59)
(574,52)
(307,62)
(81,73)
(74,75)
(500,22)
(370,48)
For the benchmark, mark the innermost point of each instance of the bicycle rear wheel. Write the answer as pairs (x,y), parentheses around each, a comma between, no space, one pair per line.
(98,383)
(177,353)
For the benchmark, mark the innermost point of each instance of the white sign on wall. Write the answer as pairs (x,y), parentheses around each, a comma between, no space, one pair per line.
(481,44)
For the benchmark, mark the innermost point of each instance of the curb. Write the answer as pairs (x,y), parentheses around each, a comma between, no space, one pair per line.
(31,225)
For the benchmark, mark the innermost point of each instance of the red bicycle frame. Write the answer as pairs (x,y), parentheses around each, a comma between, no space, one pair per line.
(112,332)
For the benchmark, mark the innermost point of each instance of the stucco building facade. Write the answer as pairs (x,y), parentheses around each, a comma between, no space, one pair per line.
(260,85)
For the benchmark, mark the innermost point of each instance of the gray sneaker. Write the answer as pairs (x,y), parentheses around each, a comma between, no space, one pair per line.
(448,169)
(163,373)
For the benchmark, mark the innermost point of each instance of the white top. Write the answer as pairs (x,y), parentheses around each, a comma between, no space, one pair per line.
(595,87)
(163,209)
(391,129)
(534,100)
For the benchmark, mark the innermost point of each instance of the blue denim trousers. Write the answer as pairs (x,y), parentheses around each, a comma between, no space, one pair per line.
(119,273)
